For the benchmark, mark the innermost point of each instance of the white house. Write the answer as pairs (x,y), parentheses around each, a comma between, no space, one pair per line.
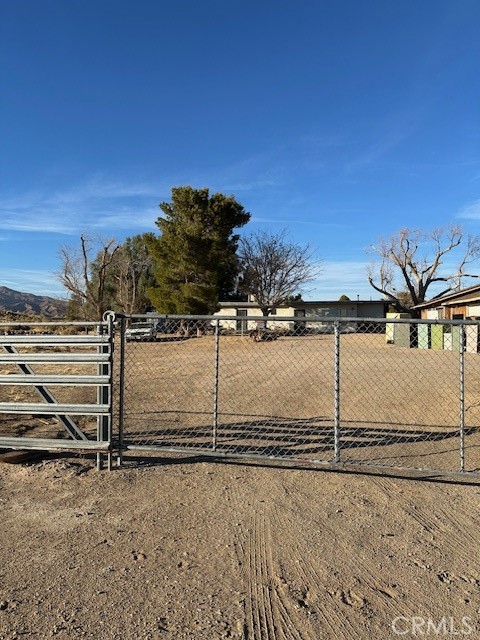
(301,309)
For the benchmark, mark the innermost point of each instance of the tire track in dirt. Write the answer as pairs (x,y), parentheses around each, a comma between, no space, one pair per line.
(294,592)
(449,528)
(363,590)
(457,543)
(322,601)
(313,571)
(269,615)
(436,518)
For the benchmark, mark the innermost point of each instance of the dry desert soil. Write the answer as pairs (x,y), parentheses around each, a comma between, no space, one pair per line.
(188,548)
(180,547)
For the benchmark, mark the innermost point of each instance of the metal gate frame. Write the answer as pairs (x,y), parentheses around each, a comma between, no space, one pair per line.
(103,341)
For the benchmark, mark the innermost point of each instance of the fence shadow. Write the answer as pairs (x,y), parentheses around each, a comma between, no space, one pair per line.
(282,436)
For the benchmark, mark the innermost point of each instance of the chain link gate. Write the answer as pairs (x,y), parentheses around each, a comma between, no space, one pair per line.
(338,392)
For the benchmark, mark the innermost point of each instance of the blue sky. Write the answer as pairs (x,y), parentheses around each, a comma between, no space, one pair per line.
(338,121)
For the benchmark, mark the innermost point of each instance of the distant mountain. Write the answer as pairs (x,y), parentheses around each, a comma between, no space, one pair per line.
(28,303)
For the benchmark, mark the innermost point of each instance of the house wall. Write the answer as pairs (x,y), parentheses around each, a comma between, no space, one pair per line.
(233,325)
(466,303)
(326,310)
(348,309)
(371,310)
(430,314)
(473,311)
(457,310)
(445,312)
(244,323)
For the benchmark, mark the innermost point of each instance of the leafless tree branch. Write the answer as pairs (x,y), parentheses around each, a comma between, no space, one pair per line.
(401,256)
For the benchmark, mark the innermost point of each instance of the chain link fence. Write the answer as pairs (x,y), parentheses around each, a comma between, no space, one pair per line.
(396,394)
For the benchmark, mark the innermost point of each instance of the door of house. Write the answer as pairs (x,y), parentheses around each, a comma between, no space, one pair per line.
(242,321)
(299,327)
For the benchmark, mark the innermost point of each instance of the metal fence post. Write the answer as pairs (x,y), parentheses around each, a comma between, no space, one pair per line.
(121,392)
(103,397)
(336,400)
(215,385)
(108,368)
(462,397)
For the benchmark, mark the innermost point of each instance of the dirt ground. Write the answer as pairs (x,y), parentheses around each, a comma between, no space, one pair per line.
(180,547)
(184,548)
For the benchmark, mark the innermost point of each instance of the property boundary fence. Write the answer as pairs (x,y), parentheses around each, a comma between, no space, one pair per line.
(394,394)
(56,386)
(391,394)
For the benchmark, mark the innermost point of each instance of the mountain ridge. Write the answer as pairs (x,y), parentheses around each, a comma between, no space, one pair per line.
(29,303)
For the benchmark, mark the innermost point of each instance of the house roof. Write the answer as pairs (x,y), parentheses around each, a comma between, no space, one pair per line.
(303,303)
(468,294)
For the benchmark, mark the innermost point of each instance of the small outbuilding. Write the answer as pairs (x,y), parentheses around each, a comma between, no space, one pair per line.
(456,305)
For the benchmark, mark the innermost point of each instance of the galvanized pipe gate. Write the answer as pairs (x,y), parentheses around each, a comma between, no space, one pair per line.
(69,365)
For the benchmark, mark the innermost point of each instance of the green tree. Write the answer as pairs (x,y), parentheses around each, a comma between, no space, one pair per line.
(194,258)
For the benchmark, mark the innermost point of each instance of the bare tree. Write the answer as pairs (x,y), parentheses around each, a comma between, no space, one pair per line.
(416,260)
(84,273)
(274,269)
(131,272)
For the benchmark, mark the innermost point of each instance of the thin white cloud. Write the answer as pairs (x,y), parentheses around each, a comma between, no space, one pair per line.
(100,202)
(288,222)
(94,205)
(471,211)
(336,278)
(339,278)
(39,282)
(388,134)
(276,166)
(118,206)
(44,222)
